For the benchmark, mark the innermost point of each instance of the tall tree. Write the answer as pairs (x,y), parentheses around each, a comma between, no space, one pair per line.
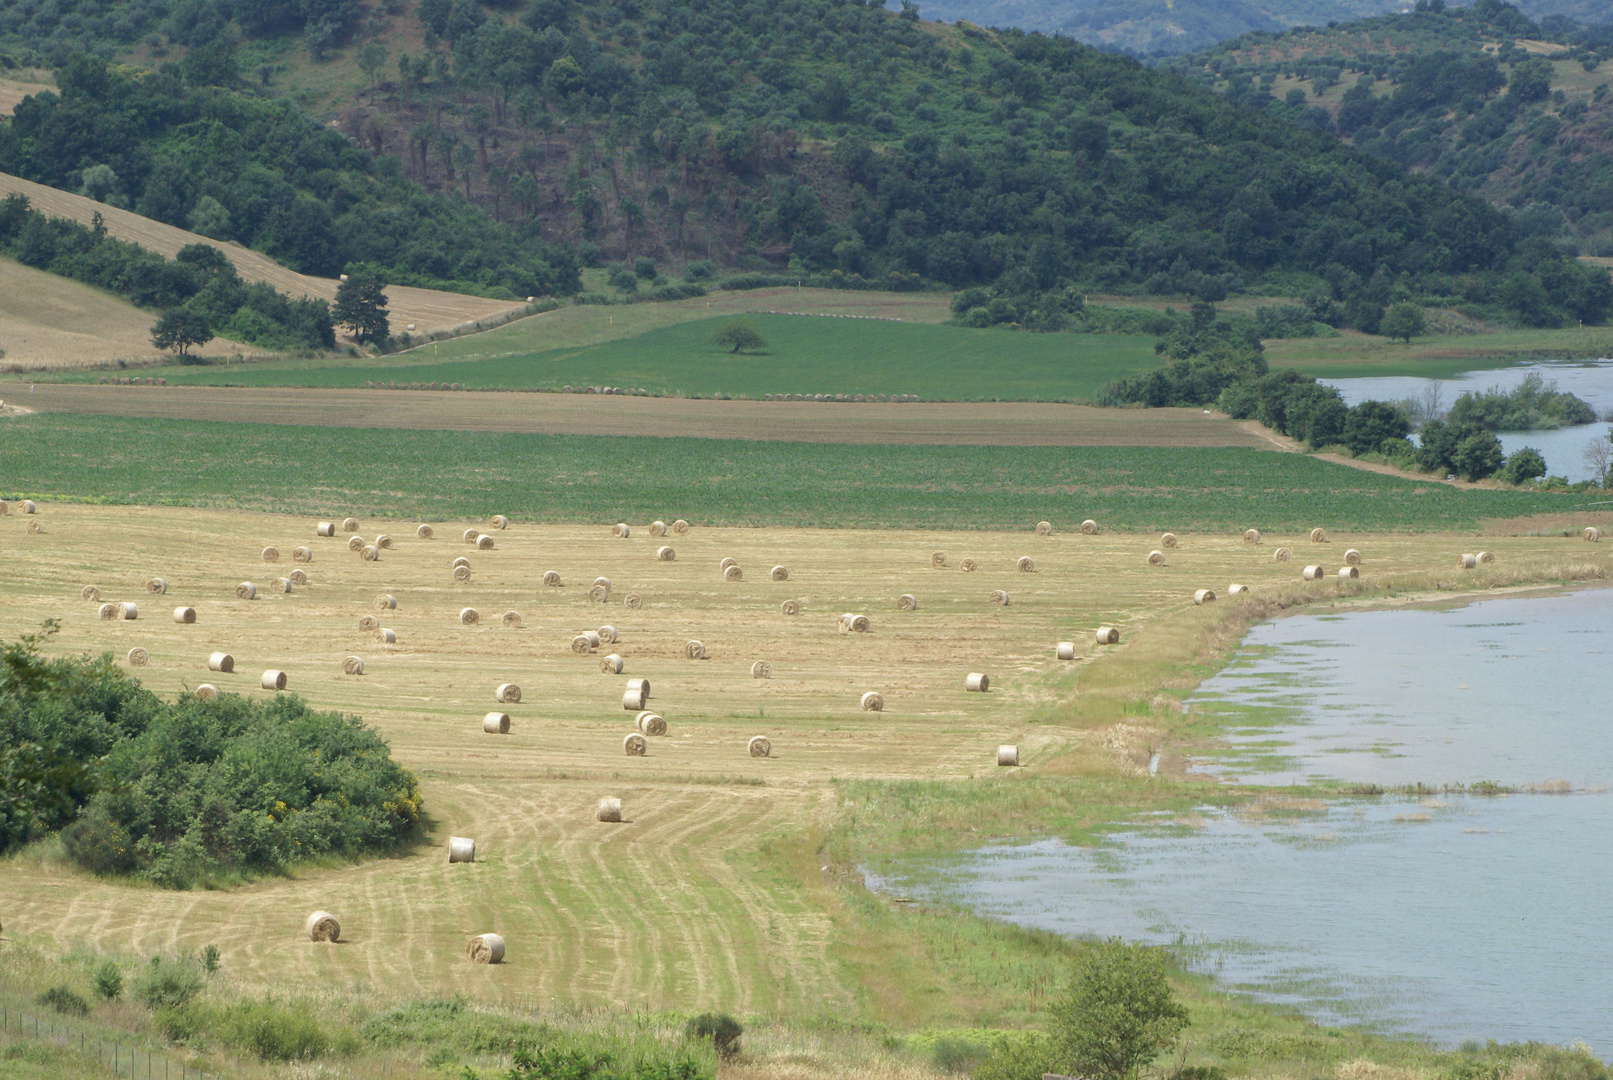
(361,306)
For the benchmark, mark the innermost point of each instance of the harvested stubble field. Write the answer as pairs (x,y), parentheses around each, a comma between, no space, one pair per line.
(688,903)
(557,478)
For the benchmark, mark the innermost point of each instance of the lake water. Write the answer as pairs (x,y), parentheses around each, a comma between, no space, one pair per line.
(1563,448)
(1453,916)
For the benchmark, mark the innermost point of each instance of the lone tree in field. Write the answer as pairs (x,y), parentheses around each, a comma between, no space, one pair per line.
(361,306)
(1403,320)
(179,330)
(739,337)
(1120,1013)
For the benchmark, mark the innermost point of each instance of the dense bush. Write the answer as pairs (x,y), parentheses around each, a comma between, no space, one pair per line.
(167,983)
(721,1029)
(1464,449)
(64,1001)
(1534,405)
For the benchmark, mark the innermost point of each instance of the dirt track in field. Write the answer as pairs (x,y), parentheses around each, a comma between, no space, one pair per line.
(929,423)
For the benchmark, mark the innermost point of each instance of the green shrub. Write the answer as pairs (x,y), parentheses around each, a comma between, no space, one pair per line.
(723,1031)
(1023,1059)
(166,983)
(108,980)
(1120,1013)
(64,1001)
(957,1055)
(276,1032)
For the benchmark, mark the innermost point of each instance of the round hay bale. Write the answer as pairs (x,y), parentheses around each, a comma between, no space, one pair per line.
(128,610)
(1352,557)
(977,682)
(1591,534)
(35,527)
(907,602)
(1237,590)
(1203,596)
(593,638)
(968,566)
(733,573)
(779,573)
(1318,536)
(499,521)
(635,745)
(636,694)
(350,525)
(759,746)
(302,554)
(206,692)
(610,809)
(470,535)
(282,585)
(605,581)
(1008,756)
(679,527)
(273,679)
(496,723)
(873,701)
(599,594)
(461,561)
(611,665)
(107,612)
(461,574)
(355,543)
(1065,650)
(325,528)
(723,566)
(1156,558)
(1026,564)
(485,949)
(424,532)
(297,577)
(694,650)
(384,542)
(271,554)
(665,554)
(385,602)
(1348,573)
(184,615)
(1486,557)
(761,670)
(368,622)
(790,607)
(387,637)
(1044,528)
(1089,527)
(938,559)
(652,724)
(1282,554)
(1251,536)
(28,507)
(5,507)
(1107,635)
(510,620)
(138,657)
(353,665)
(620,530)
(634,601)
(1167,540)
(1467,562)
(580,645)
(461,849)
(469,616)
(999,597)
(507,694)
(1312,573)
(607,634)
(90,593)
(484,543)
(322,926)
(551,578)
(658,528)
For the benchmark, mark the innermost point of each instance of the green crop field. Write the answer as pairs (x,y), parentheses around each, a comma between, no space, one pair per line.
(1435,357)
(579,478)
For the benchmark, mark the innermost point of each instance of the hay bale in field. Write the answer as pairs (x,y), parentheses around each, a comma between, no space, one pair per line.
(599,594)
(281,585)
(322,926)
(779,573)
(790,607)
(723,566)
(1251,536)
(1352,557)
(469,616)
(593,638)
(184,615)
(1107,635)
(368,622)
(1156,558)
(496,723)
(90,593)
(665,554)
(129,610)
(325,528)
(1591,534)
(1167,540)
(1044,528)
(1486,557)
(350,525)
(551,578)
(302,554)
(977,682)
(1348,573)
(461,561)
(694,650)
(636,694)
(649,723)
(206,692)
(873,701)
(938,559)
(5,507)
(28,507)
(759,746)
(385,602)
(999,597)
(1007,755)
(1237,590)
(353,665)
(387,637)
(679,527)
(733,573)
(297,577)
(580,645)
(485,949)
(761,670)
(611,665)
(273,679)
(461,574)
(635,745)
(1318,536)
(1089,527)
(470,535)
(35,527)
(1203,596)
(383,542)
(424,532)
(1282,554)
(1026,564)
(271,554)
(507,694)
(968,566)
(1467,562)
(510,620)
(484,543)
(355,543)
(610,809)
(1312,573)
(907,602)
(138,657)
(605,581)
(157,586)
(634,601)
(499,521)
(107,612)
(620,530)
(657,528)
(607,634)
(461,849)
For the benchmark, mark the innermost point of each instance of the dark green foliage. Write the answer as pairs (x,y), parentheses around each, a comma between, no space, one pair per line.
(739,337)
(1523,465)
(557,1063)
(179,330)
(1027,1058)
(361,305)
(1403,320)
(1534,405)
(1464,449)
(167,983)
(1371,423)
(108,979)
(275,1031)
(1120,1012)
(1476,456)
(210,959)
(723,1031)
(64,1001)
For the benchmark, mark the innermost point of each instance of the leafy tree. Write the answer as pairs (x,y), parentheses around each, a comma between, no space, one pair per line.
(1370,423)
(739,337)
(371,60)
(1120,1013)
(179,330)
(1477,456)
(108,980)
(1531,80)
(1403,320)
(1523,465)
(361,305)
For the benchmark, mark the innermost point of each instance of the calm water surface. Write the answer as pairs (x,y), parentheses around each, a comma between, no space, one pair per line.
(1455,917)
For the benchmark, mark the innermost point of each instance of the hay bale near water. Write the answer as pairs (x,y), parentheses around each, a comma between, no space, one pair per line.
(1237,590)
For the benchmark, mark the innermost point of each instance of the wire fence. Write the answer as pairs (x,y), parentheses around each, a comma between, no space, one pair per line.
(125,1060)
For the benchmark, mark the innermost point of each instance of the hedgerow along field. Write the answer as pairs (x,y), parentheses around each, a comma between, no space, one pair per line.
(603,479)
